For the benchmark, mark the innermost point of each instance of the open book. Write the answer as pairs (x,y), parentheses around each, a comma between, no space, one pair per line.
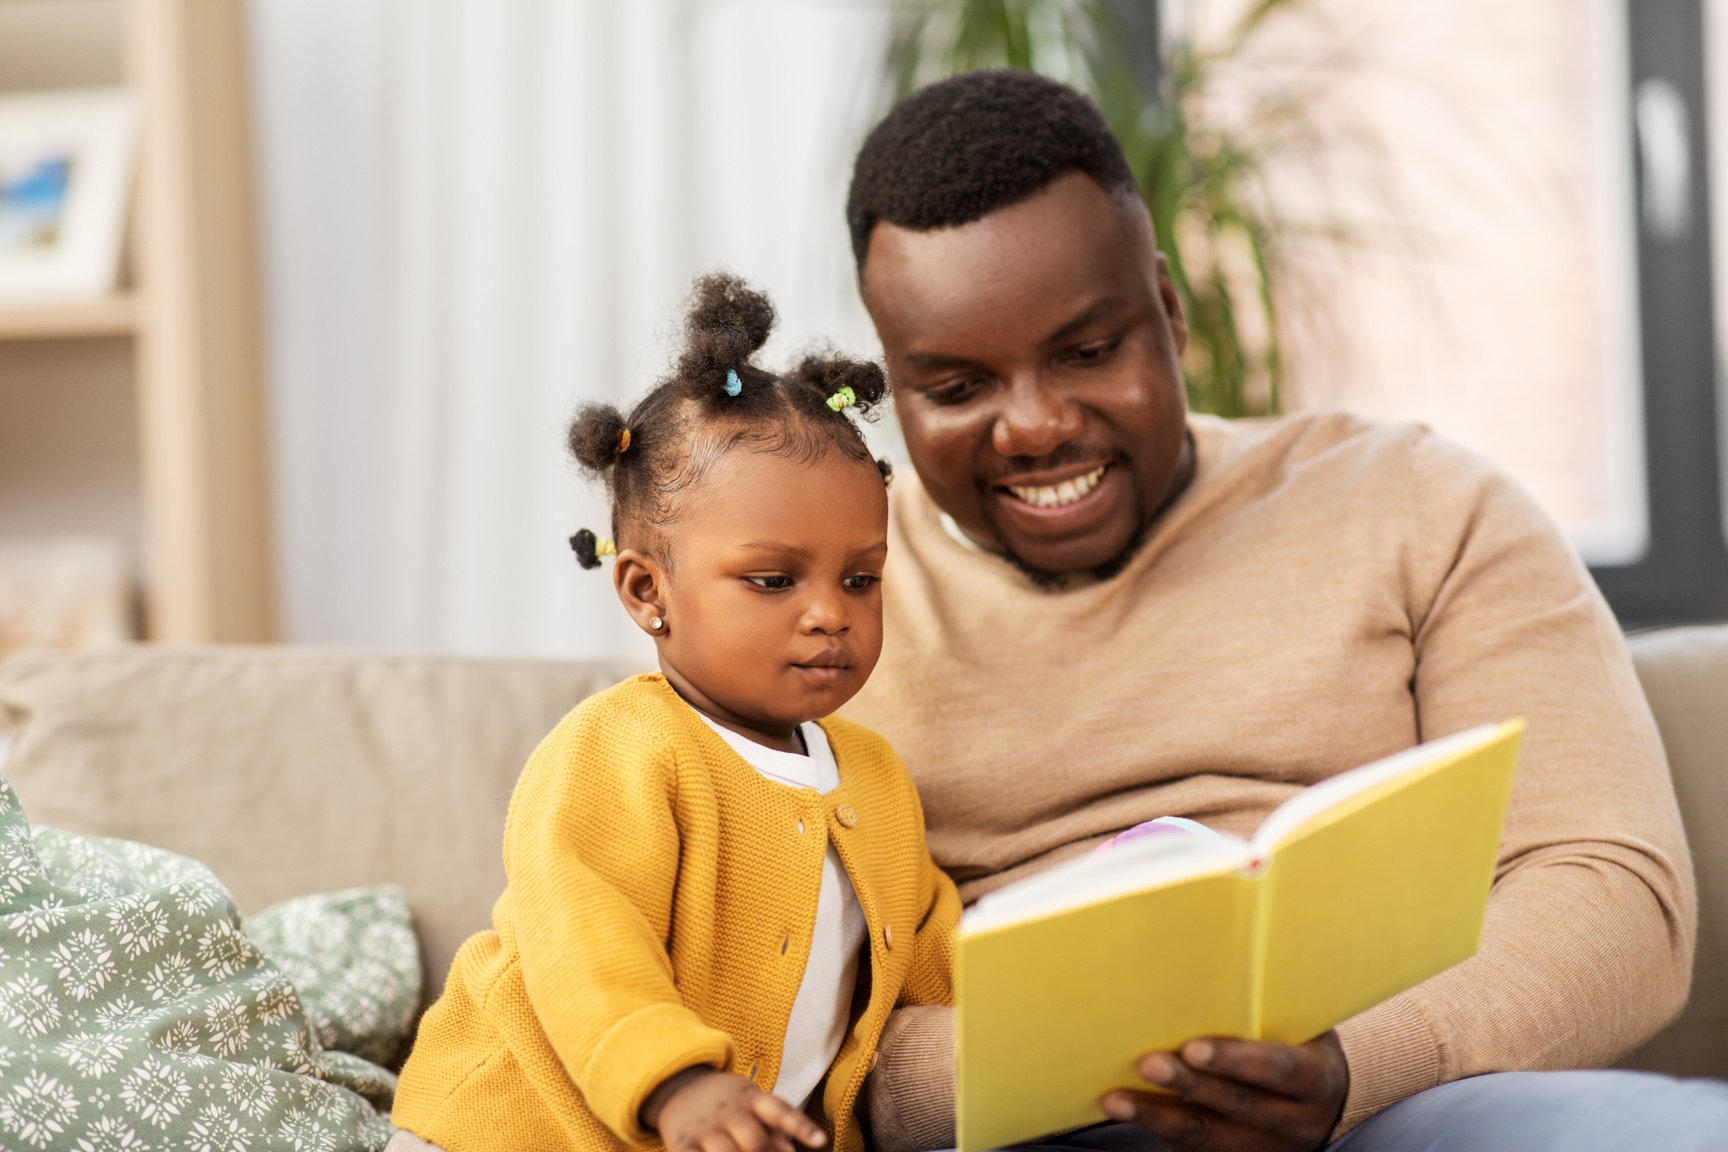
(1351,891)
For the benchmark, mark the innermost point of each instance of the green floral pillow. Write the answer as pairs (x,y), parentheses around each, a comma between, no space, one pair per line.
(135,1013)
(354,959)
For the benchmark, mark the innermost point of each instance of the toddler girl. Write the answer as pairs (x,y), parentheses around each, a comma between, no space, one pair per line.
(715,895)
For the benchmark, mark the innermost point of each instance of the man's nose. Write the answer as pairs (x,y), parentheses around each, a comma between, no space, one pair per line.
(1035,418)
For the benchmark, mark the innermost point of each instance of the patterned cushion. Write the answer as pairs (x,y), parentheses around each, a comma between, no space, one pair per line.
(354,961)
(135,1012)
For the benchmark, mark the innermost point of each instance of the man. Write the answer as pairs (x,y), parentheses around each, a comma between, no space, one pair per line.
(1101,609)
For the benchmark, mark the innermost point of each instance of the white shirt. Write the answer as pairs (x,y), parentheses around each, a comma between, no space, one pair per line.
(823,1007)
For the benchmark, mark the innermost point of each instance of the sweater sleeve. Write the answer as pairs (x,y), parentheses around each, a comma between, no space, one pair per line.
(591,848)
(1587,948)
(909,1098)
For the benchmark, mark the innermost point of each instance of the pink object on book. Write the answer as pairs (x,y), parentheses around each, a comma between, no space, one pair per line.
(1163,826)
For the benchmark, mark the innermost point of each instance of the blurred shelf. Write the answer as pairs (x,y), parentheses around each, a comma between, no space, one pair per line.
(197,487)
(114,316)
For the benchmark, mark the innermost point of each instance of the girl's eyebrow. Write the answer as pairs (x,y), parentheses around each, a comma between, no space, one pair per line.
(774,546)
(802,553)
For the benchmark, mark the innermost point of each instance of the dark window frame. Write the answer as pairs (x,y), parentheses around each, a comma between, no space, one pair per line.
(1682,576)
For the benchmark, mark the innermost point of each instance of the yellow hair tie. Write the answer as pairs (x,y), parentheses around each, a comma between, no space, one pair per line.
(623,441)
(607,547)
(844,398)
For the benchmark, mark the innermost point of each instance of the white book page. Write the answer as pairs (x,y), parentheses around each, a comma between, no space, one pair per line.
(1098,876)
(1318,798)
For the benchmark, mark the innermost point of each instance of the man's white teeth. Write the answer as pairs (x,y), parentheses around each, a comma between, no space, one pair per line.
(1057,495)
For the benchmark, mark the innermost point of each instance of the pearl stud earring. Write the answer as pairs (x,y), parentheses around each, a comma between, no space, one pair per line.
(656,623)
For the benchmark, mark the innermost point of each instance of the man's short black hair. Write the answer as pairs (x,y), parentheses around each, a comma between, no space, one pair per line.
(964,147)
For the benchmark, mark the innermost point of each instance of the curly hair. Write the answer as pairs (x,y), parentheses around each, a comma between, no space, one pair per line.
(690,418)
(967,146)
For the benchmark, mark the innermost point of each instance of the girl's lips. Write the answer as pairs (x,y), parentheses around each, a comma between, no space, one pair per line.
(828,667)
(824,673)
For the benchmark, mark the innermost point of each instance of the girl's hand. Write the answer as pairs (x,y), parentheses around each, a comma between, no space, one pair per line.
(701,1110)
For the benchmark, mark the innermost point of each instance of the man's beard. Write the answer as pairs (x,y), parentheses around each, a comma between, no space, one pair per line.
(1058,581)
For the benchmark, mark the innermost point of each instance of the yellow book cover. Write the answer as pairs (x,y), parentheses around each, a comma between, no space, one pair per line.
(1349,892)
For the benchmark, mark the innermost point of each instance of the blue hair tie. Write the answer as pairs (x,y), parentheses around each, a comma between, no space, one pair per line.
(733,384)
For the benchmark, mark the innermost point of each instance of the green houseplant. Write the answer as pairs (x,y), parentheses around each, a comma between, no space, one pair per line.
(1201,157)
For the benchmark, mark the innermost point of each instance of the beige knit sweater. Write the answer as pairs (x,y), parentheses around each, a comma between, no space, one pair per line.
(1325,592)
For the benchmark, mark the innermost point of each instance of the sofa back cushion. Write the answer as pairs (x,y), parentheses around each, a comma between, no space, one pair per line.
(291,770)
(1685,676)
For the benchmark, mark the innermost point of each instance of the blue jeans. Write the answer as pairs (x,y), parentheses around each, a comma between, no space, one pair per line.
(1595,1111)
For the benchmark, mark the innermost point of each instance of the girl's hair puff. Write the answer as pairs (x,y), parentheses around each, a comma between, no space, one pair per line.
(688,421)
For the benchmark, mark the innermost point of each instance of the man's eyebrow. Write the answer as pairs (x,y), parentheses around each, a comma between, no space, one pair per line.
(936,360)
(1091,314)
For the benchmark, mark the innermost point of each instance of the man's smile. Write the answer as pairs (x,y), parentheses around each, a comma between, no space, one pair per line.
(1060,493)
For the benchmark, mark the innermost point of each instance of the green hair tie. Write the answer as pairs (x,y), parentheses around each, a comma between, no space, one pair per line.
(844,398)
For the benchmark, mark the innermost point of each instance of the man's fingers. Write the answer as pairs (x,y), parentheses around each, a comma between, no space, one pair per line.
(1183,1127)
(1288,1071)
(1234,1101)
(1261,1095)
(1273,1067)
(782,1117)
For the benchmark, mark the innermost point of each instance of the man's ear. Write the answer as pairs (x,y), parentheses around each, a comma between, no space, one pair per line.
(1172,305)
(640,581)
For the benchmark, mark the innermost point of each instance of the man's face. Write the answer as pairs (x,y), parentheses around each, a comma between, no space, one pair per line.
(1033,355)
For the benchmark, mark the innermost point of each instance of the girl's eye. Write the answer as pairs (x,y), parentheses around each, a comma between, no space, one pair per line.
(860,581)
(770,583)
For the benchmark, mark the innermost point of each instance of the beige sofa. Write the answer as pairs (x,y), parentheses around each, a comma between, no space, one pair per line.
(292,771)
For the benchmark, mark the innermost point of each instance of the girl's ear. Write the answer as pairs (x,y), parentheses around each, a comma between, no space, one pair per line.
(641,583)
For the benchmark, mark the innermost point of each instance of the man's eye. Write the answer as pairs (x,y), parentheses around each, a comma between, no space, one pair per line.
(860,581)
(953,391)
(771,583)
(1093,353)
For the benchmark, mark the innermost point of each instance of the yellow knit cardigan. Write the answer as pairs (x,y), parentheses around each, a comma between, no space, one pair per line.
(658,914)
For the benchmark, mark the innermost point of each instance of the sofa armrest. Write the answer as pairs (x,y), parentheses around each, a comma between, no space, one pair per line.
(1685,676)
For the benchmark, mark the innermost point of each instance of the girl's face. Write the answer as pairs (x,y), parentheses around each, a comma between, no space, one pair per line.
(773,604)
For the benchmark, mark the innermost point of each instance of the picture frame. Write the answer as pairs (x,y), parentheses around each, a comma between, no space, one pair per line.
(66,169)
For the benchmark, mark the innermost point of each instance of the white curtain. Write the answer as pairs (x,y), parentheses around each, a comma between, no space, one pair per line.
(479,213)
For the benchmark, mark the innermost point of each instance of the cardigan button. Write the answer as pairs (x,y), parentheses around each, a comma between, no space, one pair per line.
(888,937)
(753,1069)
(847,815)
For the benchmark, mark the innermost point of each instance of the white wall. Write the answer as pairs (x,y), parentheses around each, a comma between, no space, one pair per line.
(478,214)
